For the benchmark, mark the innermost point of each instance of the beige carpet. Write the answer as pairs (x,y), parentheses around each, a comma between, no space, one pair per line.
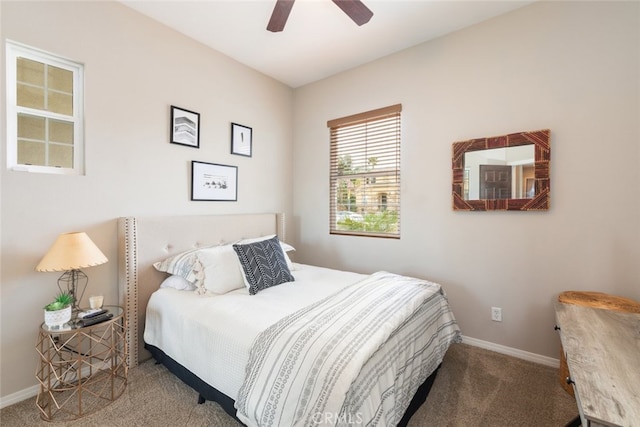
(474,387)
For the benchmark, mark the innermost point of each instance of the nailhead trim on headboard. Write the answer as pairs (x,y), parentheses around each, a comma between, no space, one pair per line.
(134,284)
(129,292)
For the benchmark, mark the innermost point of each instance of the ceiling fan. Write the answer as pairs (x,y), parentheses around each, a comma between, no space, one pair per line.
(355,9)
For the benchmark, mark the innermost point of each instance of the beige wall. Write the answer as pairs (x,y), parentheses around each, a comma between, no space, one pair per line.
(135,69)
(572,67)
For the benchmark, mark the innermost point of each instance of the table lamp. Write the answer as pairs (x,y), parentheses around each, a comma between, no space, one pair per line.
(69,253)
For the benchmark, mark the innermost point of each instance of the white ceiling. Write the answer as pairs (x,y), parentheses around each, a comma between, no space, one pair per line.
(319,40)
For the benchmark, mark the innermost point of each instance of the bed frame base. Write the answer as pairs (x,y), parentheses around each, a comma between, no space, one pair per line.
(419,398)
(206,392)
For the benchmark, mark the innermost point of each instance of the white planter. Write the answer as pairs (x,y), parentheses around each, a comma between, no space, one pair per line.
(58,317)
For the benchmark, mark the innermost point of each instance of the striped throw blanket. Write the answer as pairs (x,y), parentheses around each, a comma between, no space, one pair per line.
(354,358)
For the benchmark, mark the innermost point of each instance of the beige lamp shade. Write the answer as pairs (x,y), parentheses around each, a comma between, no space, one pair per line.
(71,251)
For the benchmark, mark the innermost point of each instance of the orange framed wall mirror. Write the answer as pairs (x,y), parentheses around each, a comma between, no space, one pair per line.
(507,172)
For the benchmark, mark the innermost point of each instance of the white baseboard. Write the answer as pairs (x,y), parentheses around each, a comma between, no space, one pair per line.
(510,351)
(33,390)
(19,396)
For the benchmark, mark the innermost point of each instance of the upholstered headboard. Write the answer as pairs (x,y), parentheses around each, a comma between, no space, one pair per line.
(145,240)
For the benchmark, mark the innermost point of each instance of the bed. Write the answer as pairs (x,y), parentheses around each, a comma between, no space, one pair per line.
(374,375)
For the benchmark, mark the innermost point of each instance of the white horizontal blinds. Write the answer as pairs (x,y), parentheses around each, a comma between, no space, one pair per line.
(365,173)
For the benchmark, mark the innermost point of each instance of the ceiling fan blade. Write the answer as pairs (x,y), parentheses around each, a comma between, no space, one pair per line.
(356,10)
(279,15)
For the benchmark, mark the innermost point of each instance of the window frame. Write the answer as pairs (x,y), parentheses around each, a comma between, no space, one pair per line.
(14,51)
(362,144)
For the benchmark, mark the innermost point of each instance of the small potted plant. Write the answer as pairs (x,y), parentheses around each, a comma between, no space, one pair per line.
(58,312)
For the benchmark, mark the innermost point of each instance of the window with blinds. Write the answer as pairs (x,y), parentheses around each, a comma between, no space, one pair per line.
(365,173)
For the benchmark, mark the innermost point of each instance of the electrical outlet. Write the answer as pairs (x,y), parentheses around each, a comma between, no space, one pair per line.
(496,314)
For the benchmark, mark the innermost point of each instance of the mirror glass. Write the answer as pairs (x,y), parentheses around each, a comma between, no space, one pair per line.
(507,172)
(499,173)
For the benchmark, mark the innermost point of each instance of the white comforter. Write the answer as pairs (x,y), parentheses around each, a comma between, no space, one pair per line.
(212,335)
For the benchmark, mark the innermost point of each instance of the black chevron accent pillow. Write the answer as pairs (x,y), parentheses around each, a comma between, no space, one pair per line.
(264,264)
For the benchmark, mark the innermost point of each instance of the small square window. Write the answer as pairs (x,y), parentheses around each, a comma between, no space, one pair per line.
(44,111)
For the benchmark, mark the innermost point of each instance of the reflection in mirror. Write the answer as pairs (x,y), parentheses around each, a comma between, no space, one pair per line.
(499,173)
(508,172)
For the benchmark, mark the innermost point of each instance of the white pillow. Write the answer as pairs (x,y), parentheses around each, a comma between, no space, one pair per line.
(286,248)
(214,268)
(222,270)
(177,282)
(184,264)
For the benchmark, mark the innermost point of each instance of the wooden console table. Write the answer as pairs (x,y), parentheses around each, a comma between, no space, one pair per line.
(602,349)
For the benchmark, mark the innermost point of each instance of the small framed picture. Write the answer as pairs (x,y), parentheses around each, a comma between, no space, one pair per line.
(185,127)
(211,181)
(241,140)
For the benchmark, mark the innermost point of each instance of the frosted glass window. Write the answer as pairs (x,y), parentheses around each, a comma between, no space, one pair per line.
(44,111)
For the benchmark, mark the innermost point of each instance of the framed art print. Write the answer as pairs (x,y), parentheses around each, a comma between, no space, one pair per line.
(241,137)
(185,127)
(213,182)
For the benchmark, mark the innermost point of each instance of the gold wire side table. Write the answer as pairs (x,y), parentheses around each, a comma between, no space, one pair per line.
(81,369)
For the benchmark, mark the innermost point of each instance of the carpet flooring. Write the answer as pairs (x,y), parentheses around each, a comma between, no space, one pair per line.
(475,387)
